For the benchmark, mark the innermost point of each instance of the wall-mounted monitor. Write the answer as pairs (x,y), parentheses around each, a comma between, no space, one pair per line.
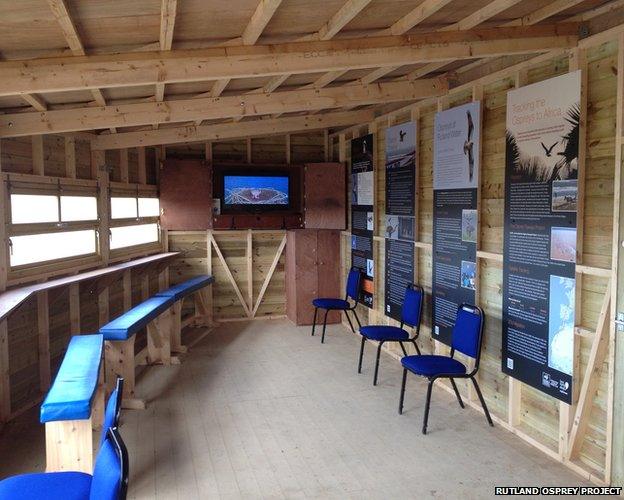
(256,190)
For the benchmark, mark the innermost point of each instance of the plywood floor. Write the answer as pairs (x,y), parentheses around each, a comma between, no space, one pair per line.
(263,410)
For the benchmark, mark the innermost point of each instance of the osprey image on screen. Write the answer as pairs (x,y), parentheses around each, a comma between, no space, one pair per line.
(255,190)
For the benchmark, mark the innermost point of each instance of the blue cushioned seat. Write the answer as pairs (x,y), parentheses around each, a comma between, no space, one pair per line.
(75,384)
(384,332)
(429,365)
(331,304)
(466,338)
(51,486)
(130,322)
(187,287)
(411,312)
(109,480)
(337,304)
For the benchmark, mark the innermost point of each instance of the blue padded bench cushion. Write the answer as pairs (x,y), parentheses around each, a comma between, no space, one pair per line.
(187,287)
(130,322)
(75,384)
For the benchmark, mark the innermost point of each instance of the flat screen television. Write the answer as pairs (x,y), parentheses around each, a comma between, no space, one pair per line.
(256,193)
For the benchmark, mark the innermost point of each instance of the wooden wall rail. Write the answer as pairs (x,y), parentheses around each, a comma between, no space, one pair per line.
(37,321)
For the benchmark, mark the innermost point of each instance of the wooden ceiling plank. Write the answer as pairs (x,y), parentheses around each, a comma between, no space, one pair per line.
(259,20)
(183,110)
(222,131)
(483,14)
(35,101)
(136,69)
(338,21)
(64,19)
(552,9)
(416,16)
(534,18)
(168,11)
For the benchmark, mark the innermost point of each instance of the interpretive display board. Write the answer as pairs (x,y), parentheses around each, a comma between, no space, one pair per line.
(401,178)
(362,217)
(539,258)
(456,158)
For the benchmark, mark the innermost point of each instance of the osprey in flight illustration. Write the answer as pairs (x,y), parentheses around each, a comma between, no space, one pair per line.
(468,145)
(548,151)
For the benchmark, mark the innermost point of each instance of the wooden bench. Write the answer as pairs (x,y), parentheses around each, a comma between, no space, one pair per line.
(195,286)
(74,406)
(154,314)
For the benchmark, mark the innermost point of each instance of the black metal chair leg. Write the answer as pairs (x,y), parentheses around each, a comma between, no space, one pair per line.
(416,346)
(361,354)
(402,397)
(356,318)
(427,403)
(349,320)
(484,406)
(314,320)
(403,348)
(324,326)
(377,363)
(461,403)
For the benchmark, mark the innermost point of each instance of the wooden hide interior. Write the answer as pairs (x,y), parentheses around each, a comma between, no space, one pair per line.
(149,98)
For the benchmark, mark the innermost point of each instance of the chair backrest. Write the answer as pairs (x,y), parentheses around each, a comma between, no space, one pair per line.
(468,331)
(110,474)
(411,312)
(353,283)
(113,409)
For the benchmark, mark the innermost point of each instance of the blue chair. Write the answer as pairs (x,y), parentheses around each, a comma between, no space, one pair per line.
(411,313)
(108,482)
(467,338)
(113,409)
(353,292)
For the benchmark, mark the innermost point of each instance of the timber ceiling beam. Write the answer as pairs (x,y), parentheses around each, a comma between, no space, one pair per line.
(479,16)
(259,20)
(65,21)
(545,12)
(134,69)
(222,131)
(168,10)
(339,20)
(209,108)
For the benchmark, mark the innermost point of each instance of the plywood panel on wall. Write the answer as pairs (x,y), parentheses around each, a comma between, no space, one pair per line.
(325,196)
(186,195)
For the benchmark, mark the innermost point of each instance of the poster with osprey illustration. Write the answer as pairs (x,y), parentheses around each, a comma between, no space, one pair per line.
(362,215)
(401,176)
(539,255)
(456,157)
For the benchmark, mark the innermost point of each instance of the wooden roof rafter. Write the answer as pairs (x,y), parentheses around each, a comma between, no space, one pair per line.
(168,11)
(259,20)
(65,21)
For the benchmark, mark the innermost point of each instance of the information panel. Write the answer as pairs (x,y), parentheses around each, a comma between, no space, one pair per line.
(362,218)
(401,177)
(539,259)
(456,156)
